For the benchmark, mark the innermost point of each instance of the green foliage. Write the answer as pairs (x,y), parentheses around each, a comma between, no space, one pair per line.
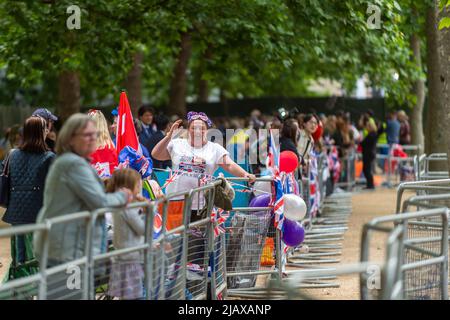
(37,46)
(244,47)
(444,23)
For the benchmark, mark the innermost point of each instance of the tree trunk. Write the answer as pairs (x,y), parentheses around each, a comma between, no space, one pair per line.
(224,102)
(435,140)
(203,90)
(178,85)
(419,92)
(133,83)
(444,63)
(68,94)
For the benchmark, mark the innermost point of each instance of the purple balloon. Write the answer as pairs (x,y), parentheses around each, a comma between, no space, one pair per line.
(293,233)
(263,200)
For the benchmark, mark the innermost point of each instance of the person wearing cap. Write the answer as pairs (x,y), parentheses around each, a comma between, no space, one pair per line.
(50,118)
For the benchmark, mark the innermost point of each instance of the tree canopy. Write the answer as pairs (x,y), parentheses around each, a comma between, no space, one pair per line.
(244,48)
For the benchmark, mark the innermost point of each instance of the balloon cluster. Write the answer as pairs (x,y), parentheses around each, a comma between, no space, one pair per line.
(294,211)
(294,206)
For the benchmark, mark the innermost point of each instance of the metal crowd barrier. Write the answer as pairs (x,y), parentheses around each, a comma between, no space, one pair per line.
(425,187)
(178,264)
(348,180)
(407,163)
(174,265)
(422,170)
(429,194)
(324,233)
(348,170)
(416,264)
(289,288)
(412,151)
(248,236)
(188,261)
(412,262)
(253,249)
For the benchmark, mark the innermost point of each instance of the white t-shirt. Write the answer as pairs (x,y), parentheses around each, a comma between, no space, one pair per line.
(194,161)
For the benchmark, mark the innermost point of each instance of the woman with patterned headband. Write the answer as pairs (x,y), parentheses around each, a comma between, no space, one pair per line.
(194,157)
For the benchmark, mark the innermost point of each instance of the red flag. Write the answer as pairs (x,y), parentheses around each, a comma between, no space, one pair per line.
(126,133)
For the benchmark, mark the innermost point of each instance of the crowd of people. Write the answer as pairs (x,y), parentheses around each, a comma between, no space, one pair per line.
(48,179)
(304,133)
(78,169)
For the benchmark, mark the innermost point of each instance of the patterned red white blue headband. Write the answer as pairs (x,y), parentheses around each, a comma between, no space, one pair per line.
(92,112)
(192,115)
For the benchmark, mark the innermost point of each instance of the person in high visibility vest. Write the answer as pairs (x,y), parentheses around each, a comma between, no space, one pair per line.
(363,120)
(382,139)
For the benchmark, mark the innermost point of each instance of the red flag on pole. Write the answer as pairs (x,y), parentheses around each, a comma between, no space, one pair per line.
(126,133)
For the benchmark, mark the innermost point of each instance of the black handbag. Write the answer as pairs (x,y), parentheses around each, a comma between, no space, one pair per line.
(5,184)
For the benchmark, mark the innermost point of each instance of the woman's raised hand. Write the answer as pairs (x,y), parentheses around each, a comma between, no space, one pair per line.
(175,126)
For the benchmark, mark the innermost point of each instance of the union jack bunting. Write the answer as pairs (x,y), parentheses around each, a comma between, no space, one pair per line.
(203,180)
(172,177)
(125,164)
(290,185)
(102,169)
(334,164)
(218,218)
(278,202)
(314,194)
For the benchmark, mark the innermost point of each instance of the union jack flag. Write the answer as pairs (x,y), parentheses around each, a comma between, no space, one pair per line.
(273,154)
(277,187)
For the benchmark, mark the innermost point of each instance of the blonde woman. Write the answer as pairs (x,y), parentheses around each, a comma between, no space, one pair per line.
(104,159)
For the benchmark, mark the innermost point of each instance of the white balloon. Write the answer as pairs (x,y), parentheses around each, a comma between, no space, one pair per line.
(294,207)
(262,187)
